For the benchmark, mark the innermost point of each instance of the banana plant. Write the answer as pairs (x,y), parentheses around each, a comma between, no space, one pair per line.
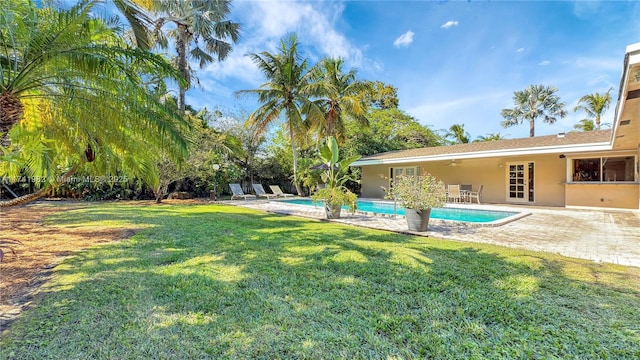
(335,193)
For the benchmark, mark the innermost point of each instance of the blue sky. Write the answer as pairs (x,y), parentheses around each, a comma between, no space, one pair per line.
(452,62)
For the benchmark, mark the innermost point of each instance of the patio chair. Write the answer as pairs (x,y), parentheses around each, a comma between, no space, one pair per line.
(476,195)
(465,190)
(237,192)
(261,193)
(454,194)
(276,190)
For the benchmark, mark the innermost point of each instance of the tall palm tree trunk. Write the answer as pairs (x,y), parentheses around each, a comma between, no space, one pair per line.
(532,128)
(181,47)
(294,151)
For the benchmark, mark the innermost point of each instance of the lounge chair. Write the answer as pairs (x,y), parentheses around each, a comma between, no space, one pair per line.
(276,190)
(476,195)
(237,192)
(260,191)
(454,194)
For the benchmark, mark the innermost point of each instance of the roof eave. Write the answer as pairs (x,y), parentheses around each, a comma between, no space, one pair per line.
(602,146)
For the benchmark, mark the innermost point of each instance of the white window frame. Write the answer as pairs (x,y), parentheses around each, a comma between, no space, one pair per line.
(392,172)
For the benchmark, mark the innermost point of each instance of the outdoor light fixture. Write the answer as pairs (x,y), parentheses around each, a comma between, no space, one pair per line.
(216,167)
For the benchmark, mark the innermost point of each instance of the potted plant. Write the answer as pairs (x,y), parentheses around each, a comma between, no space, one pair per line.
(335,194)
(418,195)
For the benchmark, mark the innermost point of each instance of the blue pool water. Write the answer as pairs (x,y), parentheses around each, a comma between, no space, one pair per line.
(456,214)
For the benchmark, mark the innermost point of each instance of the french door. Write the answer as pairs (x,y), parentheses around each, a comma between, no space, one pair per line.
(520,182)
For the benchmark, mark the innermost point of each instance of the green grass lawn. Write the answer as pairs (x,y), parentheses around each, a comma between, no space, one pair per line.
(219,281)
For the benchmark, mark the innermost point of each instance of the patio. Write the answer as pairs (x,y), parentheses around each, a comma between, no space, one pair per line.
(610,236)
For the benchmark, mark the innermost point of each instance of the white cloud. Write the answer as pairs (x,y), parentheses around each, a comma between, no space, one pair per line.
(449,24)
(404,39)
(313,24)
(544,63)
(520,50)
(268,22)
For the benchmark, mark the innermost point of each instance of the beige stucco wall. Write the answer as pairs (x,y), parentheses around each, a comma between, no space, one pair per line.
(608,195)
(549,177)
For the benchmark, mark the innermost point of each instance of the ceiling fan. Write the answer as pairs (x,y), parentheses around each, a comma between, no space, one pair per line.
(453,163)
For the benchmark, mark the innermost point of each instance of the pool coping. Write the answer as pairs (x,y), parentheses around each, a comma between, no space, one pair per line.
(517,216)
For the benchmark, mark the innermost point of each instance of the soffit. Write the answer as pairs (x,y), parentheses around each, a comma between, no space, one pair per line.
(627,134)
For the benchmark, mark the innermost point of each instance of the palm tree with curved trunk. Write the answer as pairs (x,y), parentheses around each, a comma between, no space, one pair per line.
(340,96)
(594,105)
(532,103)
(200,30)
(287,91)
(73,97)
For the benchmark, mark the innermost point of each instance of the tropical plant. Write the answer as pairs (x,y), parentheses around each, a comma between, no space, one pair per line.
(199,31)
(138,20)
(489,137)
(380,95)
(207,145)
(389,129)
(532,103)
(339,94)
(335,193)
(60,69)
(594,105)
(585,125)
(458,134)
(418,193)
(287,91)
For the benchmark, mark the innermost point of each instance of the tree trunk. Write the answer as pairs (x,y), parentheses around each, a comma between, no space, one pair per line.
(532,126)
(40,193)
(11,111)
(598,122)
(295,161)
(181,48)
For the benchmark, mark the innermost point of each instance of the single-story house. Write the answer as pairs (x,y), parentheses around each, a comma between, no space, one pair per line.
(576,169)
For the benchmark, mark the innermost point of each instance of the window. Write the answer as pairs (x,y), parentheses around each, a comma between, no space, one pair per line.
(601,169)
(406,171)
(402,171)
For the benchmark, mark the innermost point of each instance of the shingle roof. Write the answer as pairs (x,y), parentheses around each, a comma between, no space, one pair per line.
(538,142)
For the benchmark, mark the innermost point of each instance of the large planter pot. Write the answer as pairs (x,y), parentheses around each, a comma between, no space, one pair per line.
(332,211)
(417,220)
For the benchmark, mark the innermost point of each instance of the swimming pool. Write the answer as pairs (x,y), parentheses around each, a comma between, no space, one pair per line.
(454,214)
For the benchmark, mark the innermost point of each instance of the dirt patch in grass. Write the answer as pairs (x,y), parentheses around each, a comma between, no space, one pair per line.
(41,248)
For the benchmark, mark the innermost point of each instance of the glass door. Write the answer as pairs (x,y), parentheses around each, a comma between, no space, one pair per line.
(520,182)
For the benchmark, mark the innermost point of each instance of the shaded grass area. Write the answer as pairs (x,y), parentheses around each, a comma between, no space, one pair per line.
(218,281)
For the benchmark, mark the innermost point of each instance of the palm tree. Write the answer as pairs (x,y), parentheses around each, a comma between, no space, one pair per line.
(585,125)
(534,102)
(340,96)
(139,22)
(200,31)
(60,71)
(456,131)
(489,137)
(594,105)
(380,95)
(288,90)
